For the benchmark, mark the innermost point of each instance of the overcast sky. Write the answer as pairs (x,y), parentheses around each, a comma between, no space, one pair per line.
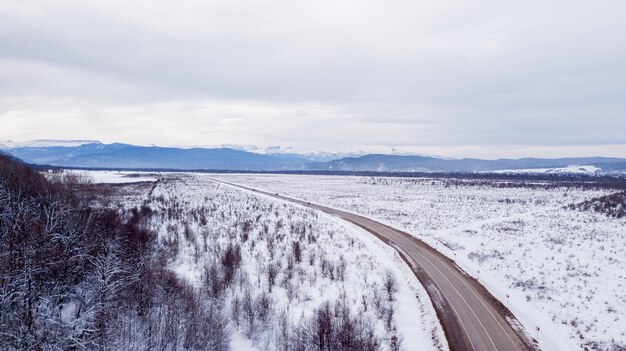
(455,78)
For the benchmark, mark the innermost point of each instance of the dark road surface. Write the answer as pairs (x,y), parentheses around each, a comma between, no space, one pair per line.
(471,317)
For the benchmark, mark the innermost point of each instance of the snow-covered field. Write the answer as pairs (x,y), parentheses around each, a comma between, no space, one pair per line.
(560,269)
(109,177)
(104,177)
(273,266)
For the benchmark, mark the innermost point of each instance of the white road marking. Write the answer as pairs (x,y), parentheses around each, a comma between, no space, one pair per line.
(481,301)
(462,298)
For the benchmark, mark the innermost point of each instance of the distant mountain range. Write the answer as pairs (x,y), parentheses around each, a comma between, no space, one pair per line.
(116,155)
(277,151)
(93,154)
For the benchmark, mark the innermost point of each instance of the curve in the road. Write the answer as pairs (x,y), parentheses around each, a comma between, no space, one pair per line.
(471,317)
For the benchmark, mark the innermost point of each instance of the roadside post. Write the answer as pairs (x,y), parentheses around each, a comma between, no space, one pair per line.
(537,329)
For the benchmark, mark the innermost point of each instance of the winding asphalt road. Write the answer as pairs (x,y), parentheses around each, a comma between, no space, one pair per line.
(471,317)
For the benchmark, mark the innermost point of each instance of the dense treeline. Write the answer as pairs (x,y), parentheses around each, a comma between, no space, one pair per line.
(505,180)
(76,277)
(612,205)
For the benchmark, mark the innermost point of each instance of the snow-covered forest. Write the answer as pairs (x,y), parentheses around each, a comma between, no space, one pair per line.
(78,277)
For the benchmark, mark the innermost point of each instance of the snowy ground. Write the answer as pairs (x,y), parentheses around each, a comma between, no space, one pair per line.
(109,177)
(562,270)
(199,221)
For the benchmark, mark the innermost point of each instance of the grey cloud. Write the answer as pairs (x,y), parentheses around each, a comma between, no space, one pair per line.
(327,73)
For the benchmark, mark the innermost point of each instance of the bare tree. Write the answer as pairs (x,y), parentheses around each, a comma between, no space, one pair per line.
(297,251)
(272,272)
(390,284)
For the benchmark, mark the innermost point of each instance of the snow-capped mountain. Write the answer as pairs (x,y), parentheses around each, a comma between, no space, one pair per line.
(8,144)
(93,154)
(291,152)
